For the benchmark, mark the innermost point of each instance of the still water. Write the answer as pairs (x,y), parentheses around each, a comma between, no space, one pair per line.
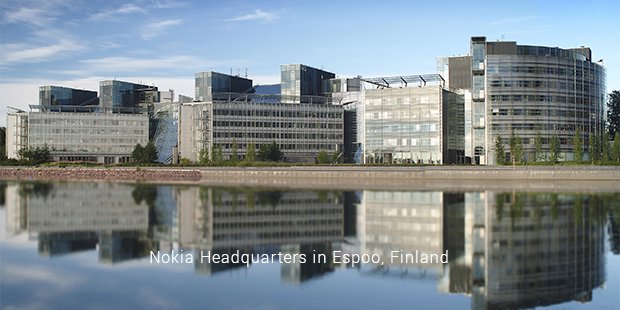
(109,245)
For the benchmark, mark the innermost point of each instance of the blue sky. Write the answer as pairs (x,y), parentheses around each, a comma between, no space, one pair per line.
(77,43)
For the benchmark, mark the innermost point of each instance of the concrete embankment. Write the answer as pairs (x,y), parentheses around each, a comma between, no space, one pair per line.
(348,177)
(103,174)
(459,178)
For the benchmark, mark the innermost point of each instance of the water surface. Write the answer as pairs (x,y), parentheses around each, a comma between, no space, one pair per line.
(69,245)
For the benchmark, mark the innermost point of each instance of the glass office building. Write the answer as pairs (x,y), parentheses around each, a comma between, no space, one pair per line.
(529,90)
(421,124)
(300,130)
(95,137)
(126,97)
(62,96)
(300,80)
(209,83)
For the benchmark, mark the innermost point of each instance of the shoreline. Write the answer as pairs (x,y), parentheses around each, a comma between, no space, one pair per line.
(453,178)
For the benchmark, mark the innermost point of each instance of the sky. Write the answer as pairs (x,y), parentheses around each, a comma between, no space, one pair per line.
(76,43)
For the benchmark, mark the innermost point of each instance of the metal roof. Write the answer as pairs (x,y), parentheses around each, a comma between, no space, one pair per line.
(405,79)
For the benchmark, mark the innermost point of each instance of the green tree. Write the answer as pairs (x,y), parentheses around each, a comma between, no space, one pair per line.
(150,153)
(592,148)
(323,157)
(213,154)
(250,153)
(605,147)
(554,146)
(218,153)
(270,152)
(613,113)
(138,153)
(2,143)
(538,152)
(516,148)
(203,156)
(615,148)
(234,155)
(500,153)
(578,146)
(35,156)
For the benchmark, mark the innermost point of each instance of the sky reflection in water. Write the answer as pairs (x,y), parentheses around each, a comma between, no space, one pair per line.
(88,245)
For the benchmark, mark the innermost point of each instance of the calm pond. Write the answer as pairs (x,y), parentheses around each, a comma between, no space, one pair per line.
(70,245)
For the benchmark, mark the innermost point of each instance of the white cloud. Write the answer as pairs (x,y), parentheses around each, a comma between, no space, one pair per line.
(131,64)
(36,16)
(20,53)
(170,4)
(21,274)
(157,28)
(112,14)
(258,14)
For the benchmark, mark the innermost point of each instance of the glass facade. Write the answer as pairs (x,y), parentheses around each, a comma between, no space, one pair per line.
(208,83)
(547,90)
(122,96)
(300,131)
(92,134)
(300,80)
(57,96)
(527,90)
(413,125)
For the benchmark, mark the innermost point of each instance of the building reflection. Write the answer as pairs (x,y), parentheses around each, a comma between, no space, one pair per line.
(525,250)
(67,218)
(261,222)
(506,249)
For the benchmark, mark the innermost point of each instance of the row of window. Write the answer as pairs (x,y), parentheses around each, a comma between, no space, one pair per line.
(271,113)
(545,84)
(538,127)
(580,100)
(542,69)
(272,135)
(253,124)
(540,112)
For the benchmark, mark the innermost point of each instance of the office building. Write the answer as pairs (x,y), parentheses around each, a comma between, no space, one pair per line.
(527,90)
(95,136)
(300,80)
(125,97)
(16,132)
(56,96)
(210,83)
(419,122)
(300,130)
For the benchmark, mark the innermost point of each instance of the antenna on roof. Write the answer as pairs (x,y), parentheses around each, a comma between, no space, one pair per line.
(246,72)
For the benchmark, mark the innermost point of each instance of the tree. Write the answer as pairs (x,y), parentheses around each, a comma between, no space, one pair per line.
(323,157)
(150,153)
(35,156)
(554,147)
(270,152)
(605,147)
(593,148)
(613,113)
(146,154)
(615,148)
(137,153)
(213,154)
(2,143)
(538,153)
(203,156)
(218,153)
(234,156)
(500,153)
(250,153)
(516,148)
(578,146)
